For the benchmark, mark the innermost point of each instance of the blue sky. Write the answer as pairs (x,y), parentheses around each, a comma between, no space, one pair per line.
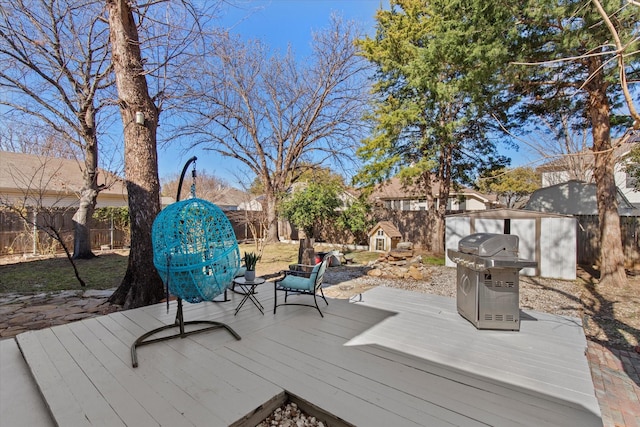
(278,23)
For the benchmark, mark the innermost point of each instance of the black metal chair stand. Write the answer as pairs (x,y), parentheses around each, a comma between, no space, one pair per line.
(180,324)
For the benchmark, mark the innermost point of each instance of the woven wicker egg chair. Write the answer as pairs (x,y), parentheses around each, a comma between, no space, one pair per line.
(196,254)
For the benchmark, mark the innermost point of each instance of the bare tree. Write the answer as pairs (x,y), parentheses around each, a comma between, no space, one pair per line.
(272,113)
(25,139)
(563,145)
(42,200)
(623,52)
(208,186)
(56,65)
(142,284)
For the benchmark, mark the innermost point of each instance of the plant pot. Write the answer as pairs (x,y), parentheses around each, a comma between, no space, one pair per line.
(250,275)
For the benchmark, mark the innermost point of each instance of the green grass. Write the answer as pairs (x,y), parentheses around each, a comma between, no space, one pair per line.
(433,260)
(273,253)
(56,274)
(107,270)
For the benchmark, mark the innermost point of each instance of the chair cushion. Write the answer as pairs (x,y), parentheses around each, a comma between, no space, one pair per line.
(296,282)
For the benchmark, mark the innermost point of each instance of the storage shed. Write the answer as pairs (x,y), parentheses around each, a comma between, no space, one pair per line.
(548,239)
(383,237)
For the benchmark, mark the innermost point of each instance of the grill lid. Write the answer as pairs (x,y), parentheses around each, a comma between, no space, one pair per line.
(490,245)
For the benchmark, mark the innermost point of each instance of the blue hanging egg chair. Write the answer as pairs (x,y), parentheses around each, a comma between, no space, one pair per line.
(196,254)
(195,250)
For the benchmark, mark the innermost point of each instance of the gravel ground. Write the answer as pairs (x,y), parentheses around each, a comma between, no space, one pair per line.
(551,296)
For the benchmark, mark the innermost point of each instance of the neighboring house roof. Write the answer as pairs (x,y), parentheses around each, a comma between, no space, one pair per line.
(574,198)
(52,181)
(229,198)
(394,189)
(388,228)
(586,156)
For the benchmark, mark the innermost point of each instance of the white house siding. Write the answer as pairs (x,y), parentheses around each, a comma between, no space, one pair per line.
(252,205)
(573,198)
(467,203)
(556,177)
(61,201)
(626,186)
(475,204)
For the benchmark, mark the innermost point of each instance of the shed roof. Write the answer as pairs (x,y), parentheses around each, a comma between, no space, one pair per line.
(506,213)
(574,198)
(388,228)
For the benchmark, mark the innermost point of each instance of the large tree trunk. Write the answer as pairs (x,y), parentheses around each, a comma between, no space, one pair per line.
(88,197)
(142,284)
(306,252)
(90,188)
(81,228)
(437,207)
(444,185)
(612,270)
(272,219)
(432,213)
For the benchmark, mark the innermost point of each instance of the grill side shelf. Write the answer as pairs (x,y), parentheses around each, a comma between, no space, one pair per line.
(479,263)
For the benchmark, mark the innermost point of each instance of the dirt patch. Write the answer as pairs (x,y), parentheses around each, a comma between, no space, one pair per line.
(612,314)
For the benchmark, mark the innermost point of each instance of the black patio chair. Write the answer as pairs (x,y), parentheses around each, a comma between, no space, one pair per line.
(299,281)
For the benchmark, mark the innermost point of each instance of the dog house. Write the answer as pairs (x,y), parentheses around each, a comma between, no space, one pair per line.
(383,237)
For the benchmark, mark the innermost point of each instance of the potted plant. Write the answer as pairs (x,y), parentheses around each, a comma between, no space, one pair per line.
(250,261)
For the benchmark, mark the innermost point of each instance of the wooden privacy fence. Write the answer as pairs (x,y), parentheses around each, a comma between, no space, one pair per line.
(588,236)
(18,236)
(247,224)
(413,227)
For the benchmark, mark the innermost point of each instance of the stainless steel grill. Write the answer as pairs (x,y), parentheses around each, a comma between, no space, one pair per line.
(488,288)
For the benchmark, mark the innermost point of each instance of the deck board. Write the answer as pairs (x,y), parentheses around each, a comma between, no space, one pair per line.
(16,388)
(68,391)
(340,402)
(321,360)
(435,389)
(110,351)
(395,358)
(553,367)
(225,395)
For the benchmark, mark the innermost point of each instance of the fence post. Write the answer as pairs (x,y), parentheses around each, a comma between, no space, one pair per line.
(34,249)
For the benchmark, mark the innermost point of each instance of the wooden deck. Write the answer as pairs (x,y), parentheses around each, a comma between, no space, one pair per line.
(396,358)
